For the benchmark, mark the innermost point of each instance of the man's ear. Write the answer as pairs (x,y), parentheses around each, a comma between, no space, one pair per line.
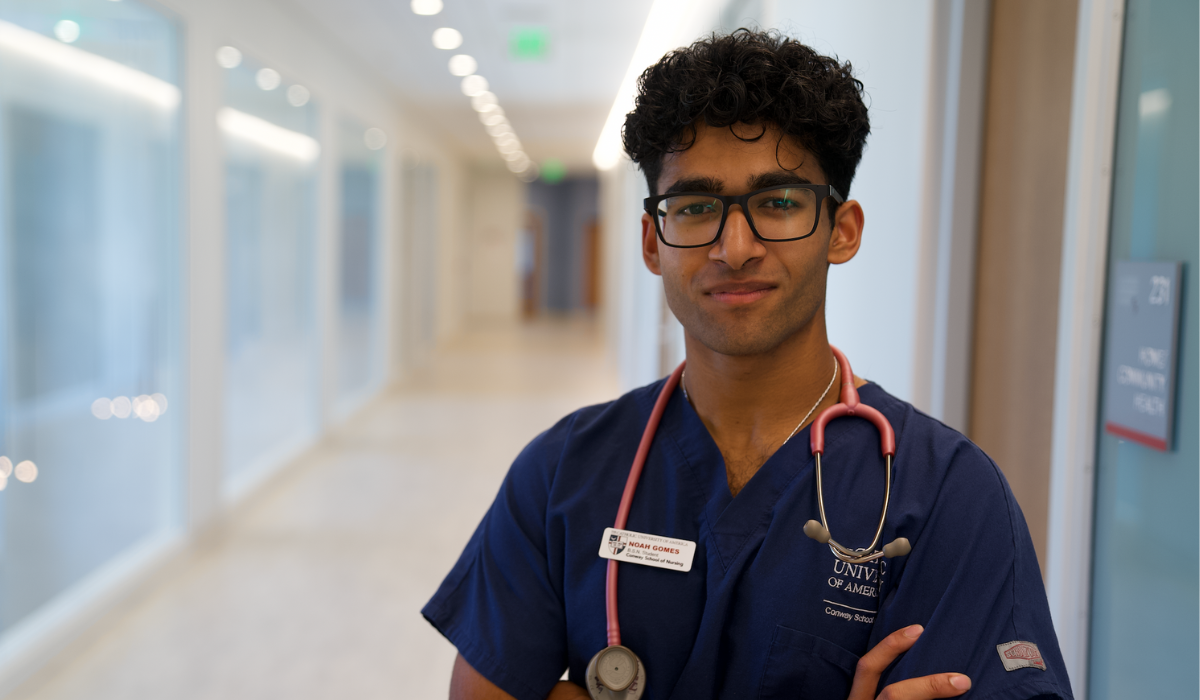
(846,237)
(650,245)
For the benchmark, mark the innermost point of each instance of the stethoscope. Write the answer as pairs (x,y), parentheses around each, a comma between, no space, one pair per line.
(615,672)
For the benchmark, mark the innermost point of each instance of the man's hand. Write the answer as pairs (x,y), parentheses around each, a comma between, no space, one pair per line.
(467,683)
(873,663)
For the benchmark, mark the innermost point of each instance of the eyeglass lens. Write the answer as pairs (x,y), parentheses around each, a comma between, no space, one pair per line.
(779,214)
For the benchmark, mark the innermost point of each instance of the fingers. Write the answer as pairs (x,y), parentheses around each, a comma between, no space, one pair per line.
(873,663)
(939,685)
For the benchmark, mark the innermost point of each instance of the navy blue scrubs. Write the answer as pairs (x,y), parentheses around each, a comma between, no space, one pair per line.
(765,612)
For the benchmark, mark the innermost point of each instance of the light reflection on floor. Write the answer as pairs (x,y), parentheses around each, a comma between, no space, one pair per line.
(313,589)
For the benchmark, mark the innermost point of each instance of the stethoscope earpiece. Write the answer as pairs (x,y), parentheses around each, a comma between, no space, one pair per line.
(816,531)
(897,548)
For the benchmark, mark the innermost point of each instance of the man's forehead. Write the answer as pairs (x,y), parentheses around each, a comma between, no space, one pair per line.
(720,158)
(717,184)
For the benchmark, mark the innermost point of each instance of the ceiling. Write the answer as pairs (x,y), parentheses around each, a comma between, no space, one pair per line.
(556,105)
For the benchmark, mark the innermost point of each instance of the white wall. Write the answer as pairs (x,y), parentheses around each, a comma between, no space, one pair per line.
(633,298)
(871,308)
(453,261)
(497,211)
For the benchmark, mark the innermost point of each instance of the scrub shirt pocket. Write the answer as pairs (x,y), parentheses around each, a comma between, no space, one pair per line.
(803,667)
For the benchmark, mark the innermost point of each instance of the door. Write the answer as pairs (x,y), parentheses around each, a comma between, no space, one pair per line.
(1145,573)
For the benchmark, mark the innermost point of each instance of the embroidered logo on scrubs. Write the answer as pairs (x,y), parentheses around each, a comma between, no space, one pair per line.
(862,582)
(616,543)
(1018,654)
(861,579)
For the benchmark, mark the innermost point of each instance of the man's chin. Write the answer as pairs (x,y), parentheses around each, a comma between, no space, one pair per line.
(736,342)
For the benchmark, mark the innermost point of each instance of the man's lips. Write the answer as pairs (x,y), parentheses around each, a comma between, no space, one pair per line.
(740,292)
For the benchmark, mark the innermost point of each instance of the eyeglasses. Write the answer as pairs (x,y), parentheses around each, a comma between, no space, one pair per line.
(696,219)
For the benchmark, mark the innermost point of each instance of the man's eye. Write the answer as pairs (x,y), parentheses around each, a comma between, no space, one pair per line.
(781,204)
(695,210)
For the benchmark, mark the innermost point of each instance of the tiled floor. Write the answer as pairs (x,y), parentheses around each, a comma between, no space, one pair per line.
(313,590)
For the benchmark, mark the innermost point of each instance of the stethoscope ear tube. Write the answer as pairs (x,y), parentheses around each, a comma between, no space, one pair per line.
(851,406)
(608,672)
(635,473)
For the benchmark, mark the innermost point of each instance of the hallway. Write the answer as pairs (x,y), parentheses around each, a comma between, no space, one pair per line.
(312,589)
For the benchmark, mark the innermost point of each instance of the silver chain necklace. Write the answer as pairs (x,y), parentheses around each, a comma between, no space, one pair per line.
(683,385)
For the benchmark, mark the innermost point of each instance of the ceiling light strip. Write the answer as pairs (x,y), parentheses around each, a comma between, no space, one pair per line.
(83,64)
(264,134)
(670,24)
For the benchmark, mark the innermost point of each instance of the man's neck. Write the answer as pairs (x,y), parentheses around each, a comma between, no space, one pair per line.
(750,404)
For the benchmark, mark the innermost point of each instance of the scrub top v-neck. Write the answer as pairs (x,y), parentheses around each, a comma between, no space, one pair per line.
(765,611)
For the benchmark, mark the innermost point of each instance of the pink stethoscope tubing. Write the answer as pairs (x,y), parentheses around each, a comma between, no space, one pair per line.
(635,474)
(849,405)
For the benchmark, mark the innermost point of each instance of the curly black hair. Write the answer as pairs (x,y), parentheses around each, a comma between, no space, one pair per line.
(751,77)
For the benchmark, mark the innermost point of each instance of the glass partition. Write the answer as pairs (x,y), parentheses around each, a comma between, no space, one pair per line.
(359,313)
(1145,568)
(268,127)
(89,221)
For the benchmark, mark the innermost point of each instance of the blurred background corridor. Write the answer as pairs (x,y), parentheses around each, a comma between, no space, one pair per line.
(289,283)
(309,588)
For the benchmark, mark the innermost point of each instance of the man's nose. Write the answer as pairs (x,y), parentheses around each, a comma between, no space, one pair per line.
(738,245)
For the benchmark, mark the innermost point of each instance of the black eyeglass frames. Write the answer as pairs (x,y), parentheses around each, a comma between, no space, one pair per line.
(696,219)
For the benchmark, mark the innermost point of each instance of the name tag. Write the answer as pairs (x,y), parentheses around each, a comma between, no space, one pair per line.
(650,550)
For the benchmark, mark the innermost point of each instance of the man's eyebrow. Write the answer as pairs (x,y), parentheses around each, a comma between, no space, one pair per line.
(697,184)
(775,179)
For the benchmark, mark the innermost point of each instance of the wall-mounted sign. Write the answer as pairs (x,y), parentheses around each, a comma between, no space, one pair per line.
(1139,369)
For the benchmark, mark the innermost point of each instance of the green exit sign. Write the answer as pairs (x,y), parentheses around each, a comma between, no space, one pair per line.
(529,43)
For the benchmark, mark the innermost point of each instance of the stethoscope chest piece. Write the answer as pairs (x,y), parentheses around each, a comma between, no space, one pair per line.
(616,673)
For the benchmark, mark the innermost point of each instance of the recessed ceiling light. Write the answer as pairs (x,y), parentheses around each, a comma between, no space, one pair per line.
(426,7)
(66,31)
(267,79)
(298,95)
(26,472)
(447,38)
(374,138)
(473,85)
(229,57)
(462,65)
(483,102)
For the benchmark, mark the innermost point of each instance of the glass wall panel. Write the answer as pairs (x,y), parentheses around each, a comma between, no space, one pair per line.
(359,274)
(1146,567)
(89,220)
(269,128)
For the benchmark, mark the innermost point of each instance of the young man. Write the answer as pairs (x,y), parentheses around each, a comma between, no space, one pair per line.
(764,611)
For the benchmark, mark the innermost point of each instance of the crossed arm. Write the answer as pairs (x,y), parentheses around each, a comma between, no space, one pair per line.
(467,684)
